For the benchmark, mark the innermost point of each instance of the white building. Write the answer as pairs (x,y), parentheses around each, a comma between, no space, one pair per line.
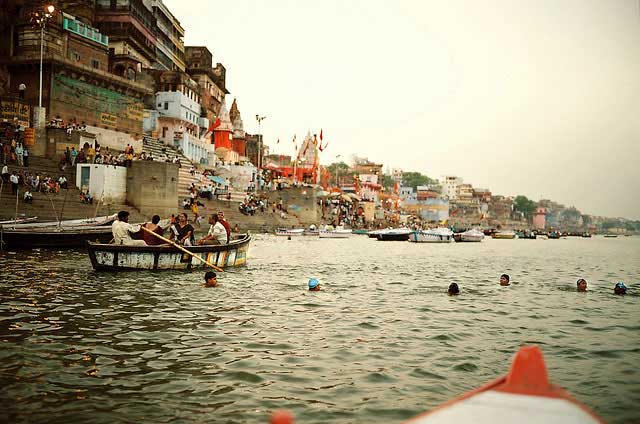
(450,185)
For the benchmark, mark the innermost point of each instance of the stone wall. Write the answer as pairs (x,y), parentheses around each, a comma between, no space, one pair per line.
(298,201)
(152,187)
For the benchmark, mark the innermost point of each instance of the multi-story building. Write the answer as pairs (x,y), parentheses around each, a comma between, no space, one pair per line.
(464,194)
(132,30)
(77,85)
(450,185)
(211,80)
(176,119)
(170,54)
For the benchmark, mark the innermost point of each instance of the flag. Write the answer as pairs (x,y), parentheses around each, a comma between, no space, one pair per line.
(321,148)
(315,140)
(278,142)
(320,134)
(216,124)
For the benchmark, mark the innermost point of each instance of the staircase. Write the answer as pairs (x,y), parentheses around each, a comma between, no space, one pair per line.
(51,207)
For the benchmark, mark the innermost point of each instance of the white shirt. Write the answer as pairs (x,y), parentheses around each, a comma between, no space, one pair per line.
(5,169)
(14,178)
(120,230)
(218,232)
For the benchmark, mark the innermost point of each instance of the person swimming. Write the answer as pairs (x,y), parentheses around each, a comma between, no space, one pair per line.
(581,285)
(314,284)
(453,289)
(504,280)
(620,288)
(210,279)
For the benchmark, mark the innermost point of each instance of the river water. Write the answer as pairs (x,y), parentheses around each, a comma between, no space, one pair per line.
(380,343)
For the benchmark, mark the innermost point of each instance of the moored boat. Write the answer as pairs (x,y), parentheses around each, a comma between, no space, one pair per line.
(290,231)
(434,235)
(360,231)
(504,235)
(395,234)
(52,237)
(19,221)
(523,395)
(334,233)
(70,223)
(112,257)
(472,235)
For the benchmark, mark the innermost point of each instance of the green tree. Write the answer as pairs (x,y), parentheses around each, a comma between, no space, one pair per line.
(388,182)
(340,167)
(524,205)
(415,179)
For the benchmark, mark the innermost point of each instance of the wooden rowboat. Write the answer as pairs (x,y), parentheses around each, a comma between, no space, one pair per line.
(112,257)
(19,221)
(52,237)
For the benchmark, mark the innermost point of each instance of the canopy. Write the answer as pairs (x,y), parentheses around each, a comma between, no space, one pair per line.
(216,179)
(322,193)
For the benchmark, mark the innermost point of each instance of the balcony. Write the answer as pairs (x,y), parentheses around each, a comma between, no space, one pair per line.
(85,31)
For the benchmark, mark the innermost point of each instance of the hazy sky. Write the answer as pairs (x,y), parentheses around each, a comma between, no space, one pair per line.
(539,97)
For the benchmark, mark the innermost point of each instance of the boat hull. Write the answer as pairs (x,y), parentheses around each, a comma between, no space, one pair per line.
(111,257)
(393,237)
(430,237)
(335,234)
(55,238)
(290,233)
(471,236)
(503,236)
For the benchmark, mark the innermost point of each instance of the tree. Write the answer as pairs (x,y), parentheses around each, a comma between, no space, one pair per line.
(387,182)
(415,179)
(524,205)
(341,167)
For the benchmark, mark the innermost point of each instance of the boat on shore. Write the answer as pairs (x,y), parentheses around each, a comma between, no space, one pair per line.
(52,237)
(291,232)
(526,235)
(434,235)
(70,223)
(112,257)
(523,395)
(395,234)
(504,235)
(360,231)
(554,235)
(611,235)
(330,232)
(473,235)
(19,221)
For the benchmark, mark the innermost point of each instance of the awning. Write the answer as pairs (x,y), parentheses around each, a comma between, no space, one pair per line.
(217,180)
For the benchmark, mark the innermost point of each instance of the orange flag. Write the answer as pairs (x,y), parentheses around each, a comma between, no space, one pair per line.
(320,134)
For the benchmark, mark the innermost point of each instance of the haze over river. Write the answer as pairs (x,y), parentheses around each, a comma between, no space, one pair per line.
(380,343)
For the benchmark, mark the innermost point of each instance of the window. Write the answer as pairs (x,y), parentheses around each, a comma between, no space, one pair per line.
(75,55)
(166,105)
(95,63)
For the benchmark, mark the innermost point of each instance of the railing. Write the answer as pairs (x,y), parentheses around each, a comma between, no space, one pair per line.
(85,31)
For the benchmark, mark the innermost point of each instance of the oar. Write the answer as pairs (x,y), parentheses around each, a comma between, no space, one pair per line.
(176,245)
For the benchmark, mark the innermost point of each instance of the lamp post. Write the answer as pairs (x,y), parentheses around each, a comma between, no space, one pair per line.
(337,170)
(42,21)
(259,119)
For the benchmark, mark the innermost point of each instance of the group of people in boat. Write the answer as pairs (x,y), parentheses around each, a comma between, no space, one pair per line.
(180,231)
(581,285)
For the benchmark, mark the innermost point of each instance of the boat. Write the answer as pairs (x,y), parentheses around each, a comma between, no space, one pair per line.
(553,235)
(330,232)
(435,235)
(112,257)
(524,395)
(526,235)
(312,233)
(52,237)
(504,235)
(469,236)
(394,234)
(19,221)
(290,231)
(374,233)
(360,231)
(610,235)
(71,223)
(586,235)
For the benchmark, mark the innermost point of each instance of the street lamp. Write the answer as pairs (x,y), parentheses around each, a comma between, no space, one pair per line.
(337,170)
(259,119)
(41,20)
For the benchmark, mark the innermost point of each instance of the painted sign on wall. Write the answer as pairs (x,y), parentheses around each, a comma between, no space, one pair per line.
(10,109)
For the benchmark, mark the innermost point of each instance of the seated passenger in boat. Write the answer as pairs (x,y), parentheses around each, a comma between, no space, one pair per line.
(581,285)
(122,231)
(453,289)
(314,284)
(153,226)
(210,279)
(217,233)
(504,280)
(620,288)
(182,231)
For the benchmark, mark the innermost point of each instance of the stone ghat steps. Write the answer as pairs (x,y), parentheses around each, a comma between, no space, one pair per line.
(261,221)
(45,166)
